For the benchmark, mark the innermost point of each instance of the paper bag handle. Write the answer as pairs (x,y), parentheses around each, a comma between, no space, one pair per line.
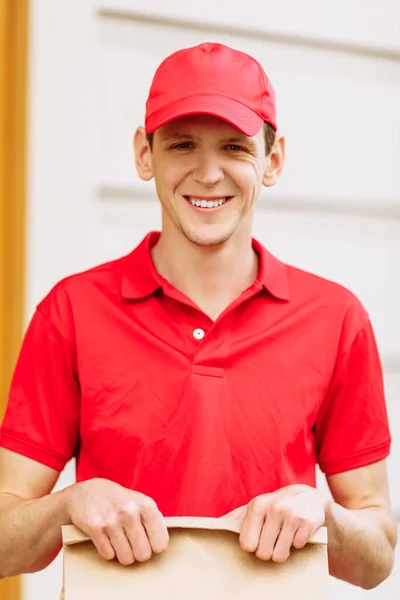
(73,535)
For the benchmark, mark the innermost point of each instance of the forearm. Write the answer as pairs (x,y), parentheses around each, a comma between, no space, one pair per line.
(360,544)
(30,532)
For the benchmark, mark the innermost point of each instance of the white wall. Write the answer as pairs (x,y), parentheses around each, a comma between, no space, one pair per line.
(336,69)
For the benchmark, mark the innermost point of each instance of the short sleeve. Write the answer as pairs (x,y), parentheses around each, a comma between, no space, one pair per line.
(352,427)
(42,415)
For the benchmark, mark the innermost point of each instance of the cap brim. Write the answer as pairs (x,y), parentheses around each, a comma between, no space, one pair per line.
(231,111)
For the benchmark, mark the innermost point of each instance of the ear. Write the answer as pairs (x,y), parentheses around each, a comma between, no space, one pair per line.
(143,155)
(275,162)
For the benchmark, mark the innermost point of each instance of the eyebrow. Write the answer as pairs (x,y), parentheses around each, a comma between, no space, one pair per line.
(178,136)
(238,140)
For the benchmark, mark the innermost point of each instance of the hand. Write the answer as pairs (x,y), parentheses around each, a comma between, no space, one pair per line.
(121,523)
(273,523)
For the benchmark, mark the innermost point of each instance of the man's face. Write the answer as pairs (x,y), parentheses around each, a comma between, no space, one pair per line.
(208,176)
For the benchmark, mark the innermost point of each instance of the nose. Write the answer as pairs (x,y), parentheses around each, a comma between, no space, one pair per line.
(207,171)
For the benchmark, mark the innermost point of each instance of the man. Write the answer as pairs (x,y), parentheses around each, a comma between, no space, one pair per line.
(199,375)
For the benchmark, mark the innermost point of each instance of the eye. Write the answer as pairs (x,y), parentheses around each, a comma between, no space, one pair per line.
(183,146)
(235,148)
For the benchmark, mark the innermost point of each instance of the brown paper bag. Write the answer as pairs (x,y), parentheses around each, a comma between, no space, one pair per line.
(203,561)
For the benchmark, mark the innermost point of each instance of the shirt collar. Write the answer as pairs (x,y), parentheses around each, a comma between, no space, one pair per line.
(140,278)
(272,273)
(139,275)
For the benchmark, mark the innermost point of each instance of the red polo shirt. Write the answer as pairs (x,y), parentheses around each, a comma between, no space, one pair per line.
(121,370)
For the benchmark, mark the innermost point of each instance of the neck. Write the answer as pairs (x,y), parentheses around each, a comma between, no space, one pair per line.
(212,276)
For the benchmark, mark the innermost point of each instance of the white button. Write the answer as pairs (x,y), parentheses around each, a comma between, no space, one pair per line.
(198,334)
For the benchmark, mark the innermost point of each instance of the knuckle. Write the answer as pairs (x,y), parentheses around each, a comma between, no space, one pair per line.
(258,505)
(149,508)
(95,526)
(279,509)
(296,519)
(109,524)
(129,511)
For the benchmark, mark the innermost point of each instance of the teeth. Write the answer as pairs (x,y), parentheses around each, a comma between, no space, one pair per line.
(207,203)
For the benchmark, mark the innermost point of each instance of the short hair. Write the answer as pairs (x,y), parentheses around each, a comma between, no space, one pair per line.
(269,138)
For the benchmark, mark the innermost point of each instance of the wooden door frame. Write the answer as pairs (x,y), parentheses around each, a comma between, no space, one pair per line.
(14,25)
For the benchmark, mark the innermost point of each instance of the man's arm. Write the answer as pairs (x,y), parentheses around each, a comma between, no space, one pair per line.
(30,518)
(121,523)
(362,530)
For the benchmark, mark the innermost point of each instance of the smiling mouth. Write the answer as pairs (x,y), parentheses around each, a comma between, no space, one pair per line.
(207,203)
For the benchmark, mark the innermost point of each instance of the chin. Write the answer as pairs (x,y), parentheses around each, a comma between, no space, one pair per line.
(208,241)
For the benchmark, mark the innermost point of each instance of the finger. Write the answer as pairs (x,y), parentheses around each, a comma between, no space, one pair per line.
(281,551)
(103,545)
(138,540)
(122,547)
(268,538)
(156,530)
(302,536)
(251,529)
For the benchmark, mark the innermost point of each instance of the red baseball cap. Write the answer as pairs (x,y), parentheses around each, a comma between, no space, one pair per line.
(211,79)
